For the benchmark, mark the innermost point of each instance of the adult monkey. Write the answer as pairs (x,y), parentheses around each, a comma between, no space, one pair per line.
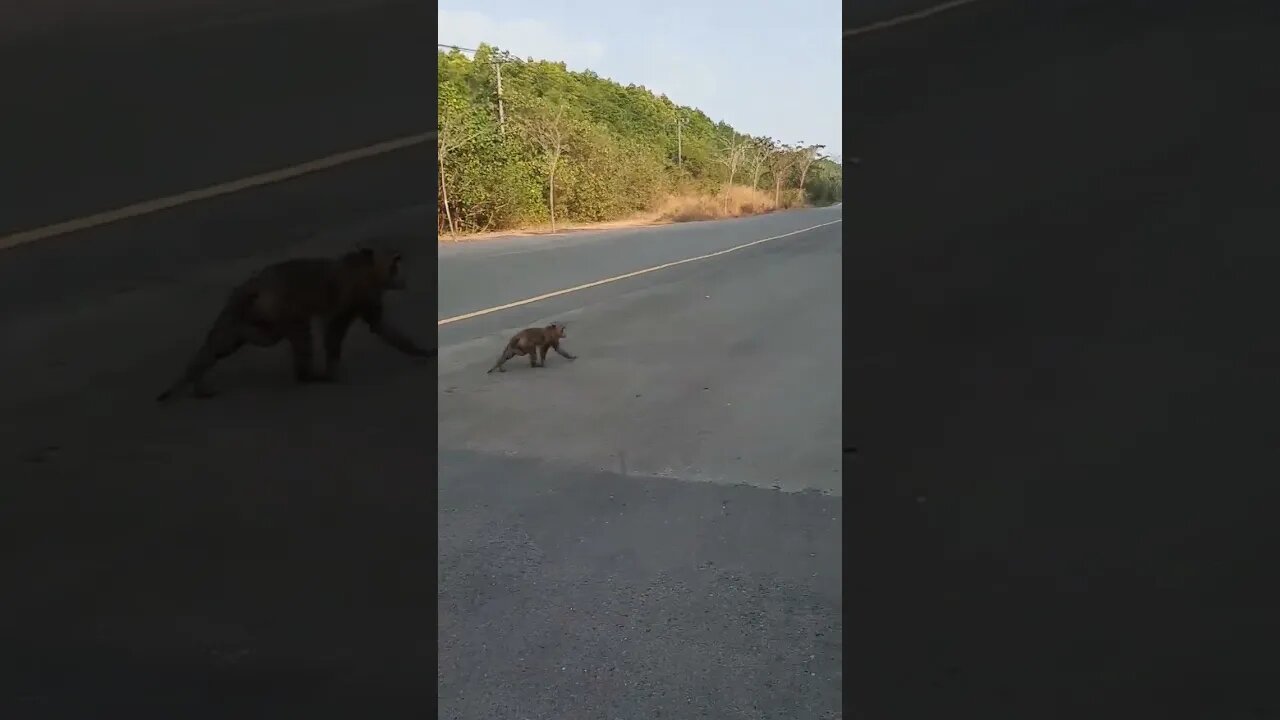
(281,301)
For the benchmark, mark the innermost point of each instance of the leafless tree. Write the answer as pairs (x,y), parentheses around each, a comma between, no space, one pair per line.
(781,161)
(757,157)
(450,136)
(733,151)
(549,131)
(805,157)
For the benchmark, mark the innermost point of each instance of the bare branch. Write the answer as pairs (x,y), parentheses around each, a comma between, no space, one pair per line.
(781,160)
(805,157)
(550,133)
(733,150)
(757,155)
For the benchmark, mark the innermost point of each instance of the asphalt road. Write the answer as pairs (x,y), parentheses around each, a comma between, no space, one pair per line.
(1061,258)
(242,557)
(251,555)
(98,120)
(653,529)
(265,550)
(867,12)
(93,20)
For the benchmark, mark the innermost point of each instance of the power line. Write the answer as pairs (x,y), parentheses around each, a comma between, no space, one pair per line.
(498,60)
(502,56)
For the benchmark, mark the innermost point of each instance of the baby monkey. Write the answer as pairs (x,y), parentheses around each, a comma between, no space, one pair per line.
(534,342)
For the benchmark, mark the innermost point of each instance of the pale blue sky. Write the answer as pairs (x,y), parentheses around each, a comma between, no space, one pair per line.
(765,68)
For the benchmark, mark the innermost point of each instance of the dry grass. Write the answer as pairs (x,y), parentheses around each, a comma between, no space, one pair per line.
(738,201)
(642,220)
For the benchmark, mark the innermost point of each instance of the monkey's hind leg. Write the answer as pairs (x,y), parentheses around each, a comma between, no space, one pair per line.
(302,342)
(224,339)
(507,354)
(335,332)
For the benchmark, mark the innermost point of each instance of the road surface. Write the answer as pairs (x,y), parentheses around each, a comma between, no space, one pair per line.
(653,529)
(1061,259)
(95,120)
(230,558)
(668,533)
(896,13)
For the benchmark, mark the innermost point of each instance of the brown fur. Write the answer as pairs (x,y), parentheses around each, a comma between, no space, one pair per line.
(534,342)
(281,301)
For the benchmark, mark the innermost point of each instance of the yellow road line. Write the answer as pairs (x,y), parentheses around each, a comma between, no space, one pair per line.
(576,288)
(907,18)
(151,206)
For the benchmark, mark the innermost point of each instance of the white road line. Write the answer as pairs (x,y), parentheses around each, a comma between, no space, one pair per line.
(576,288)
(883,24)
(151,206)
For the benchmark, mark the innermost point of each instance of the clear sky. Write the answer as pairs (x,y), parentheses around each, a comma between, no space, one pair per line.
(766,68)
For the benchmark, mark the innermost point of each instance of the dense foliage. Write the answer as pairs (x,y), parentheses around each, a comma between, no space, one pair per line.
(567,146)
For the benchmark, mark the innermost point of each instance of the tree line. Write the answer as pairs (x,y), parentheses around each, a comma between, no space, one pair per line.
(524,143)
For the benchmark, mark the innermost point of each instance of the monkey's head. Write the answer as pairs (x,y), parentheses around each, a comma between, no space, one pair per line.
(557,330)
(384,267)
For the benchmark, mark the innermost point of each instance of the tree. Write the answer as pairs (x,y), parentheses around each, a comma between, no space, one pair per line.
(781,161)
(547,128)
(805,156)
(579,147)
(733,150)
(825,184)
(757,159)
(453,132)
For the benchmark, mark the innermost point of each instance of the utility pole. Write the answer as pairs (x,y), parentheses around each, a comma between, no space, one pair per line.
(679,142)
(502,115)
(499,59)
(498,62)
